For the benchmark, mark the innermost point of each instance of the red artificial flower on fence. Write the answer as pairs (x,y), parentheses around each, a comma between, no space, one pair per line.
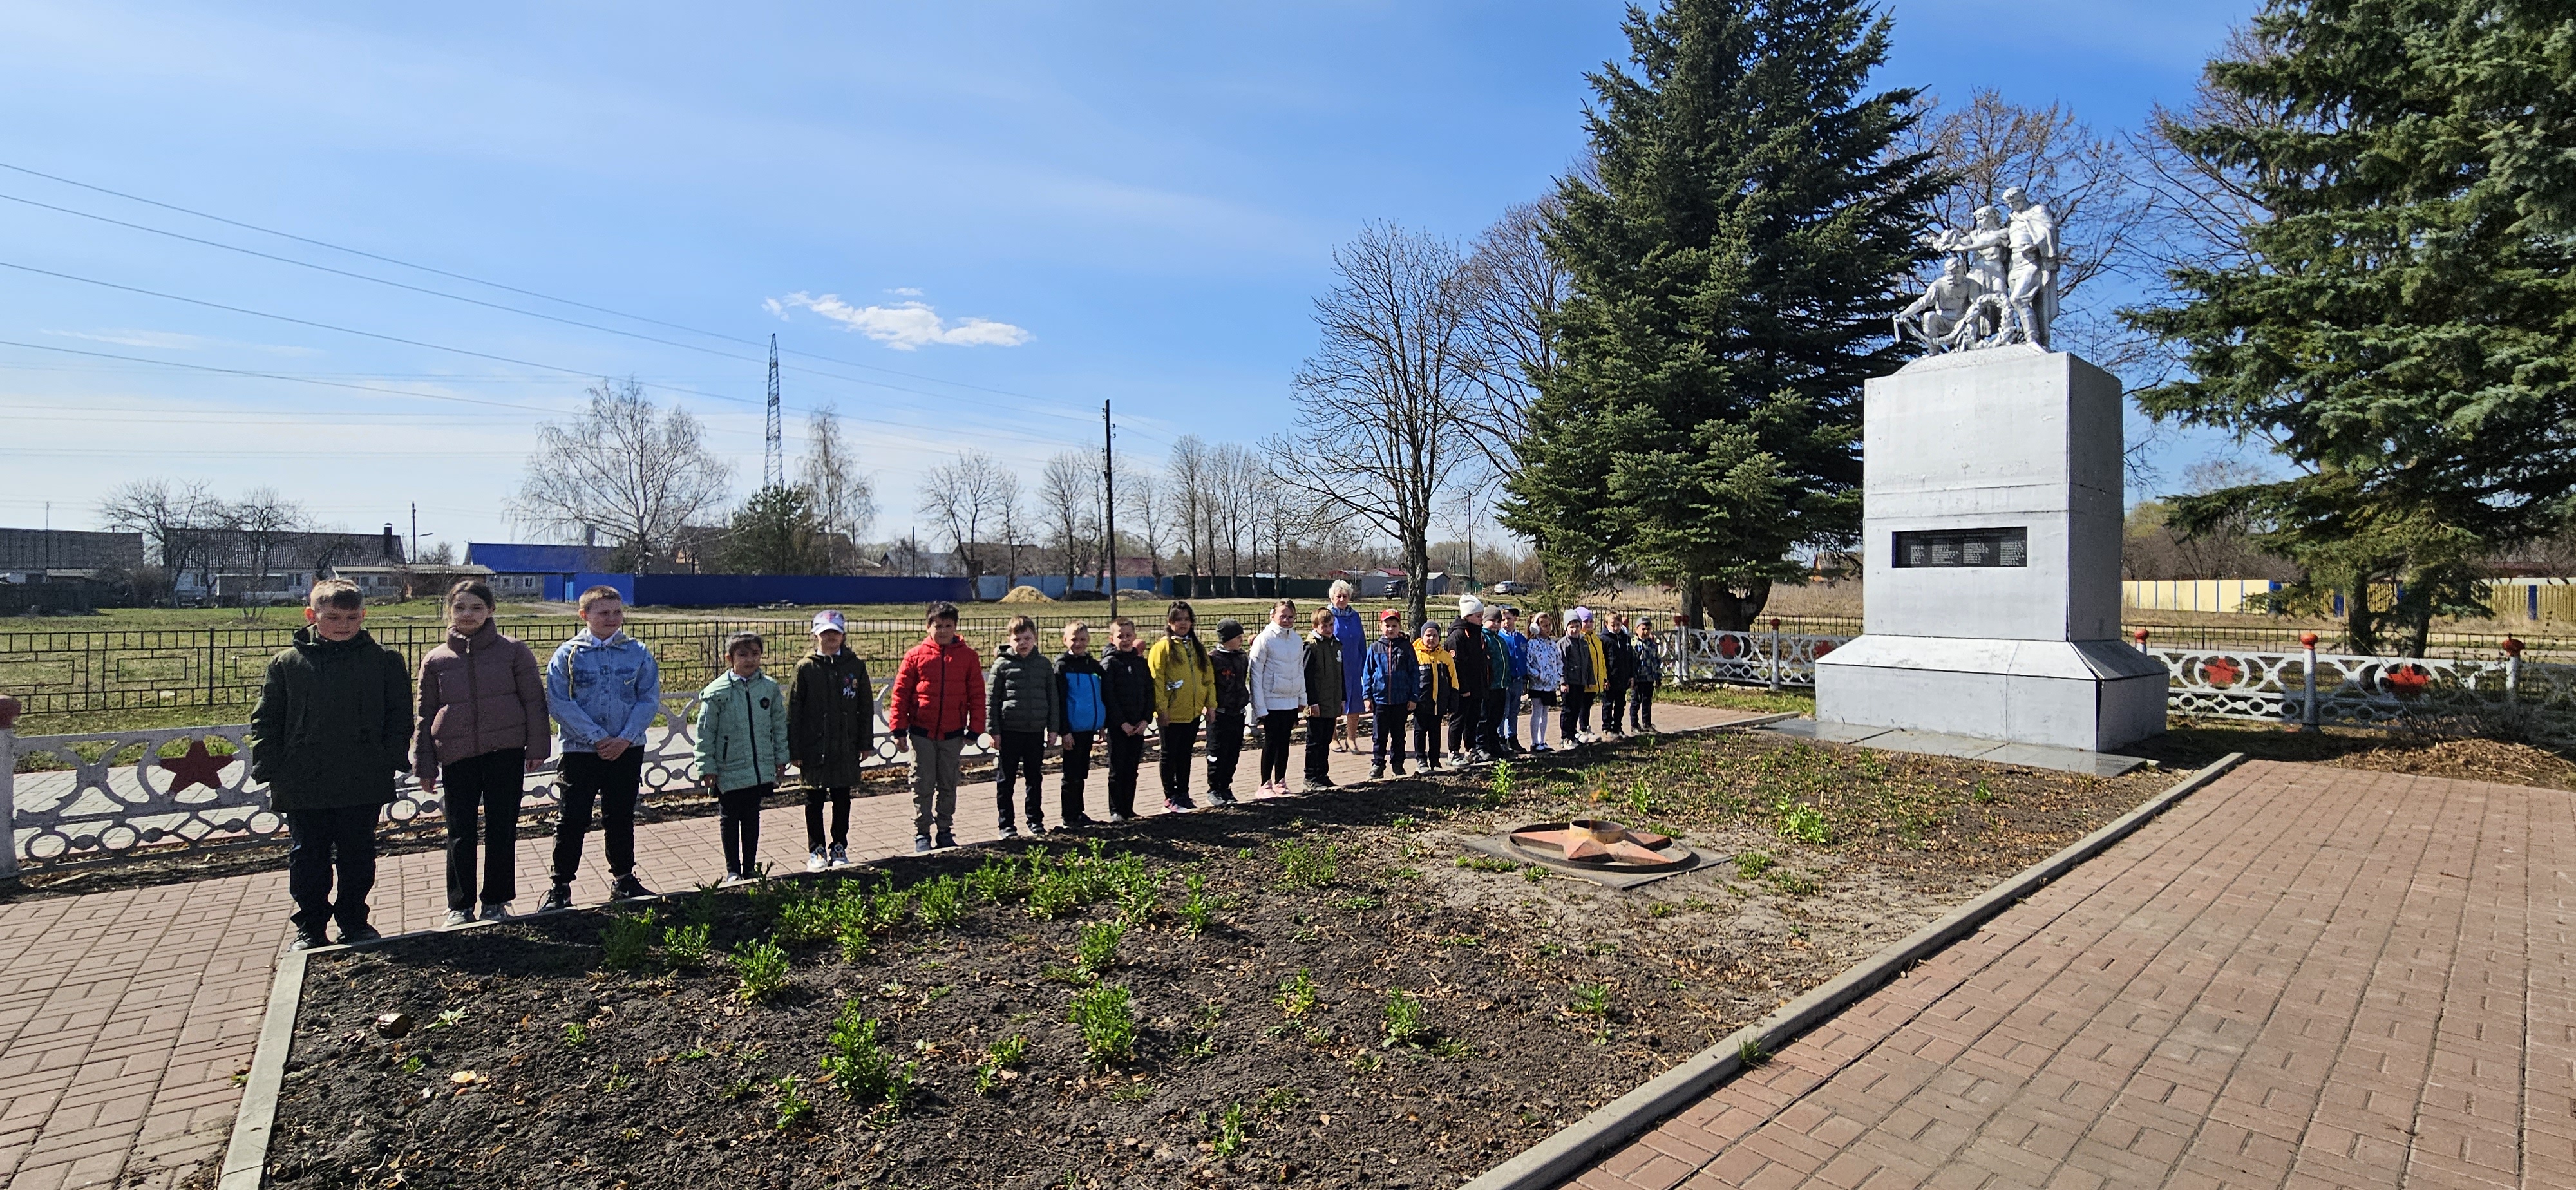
(1729,647)
(2219,671)
(1823,647)
(2406,681)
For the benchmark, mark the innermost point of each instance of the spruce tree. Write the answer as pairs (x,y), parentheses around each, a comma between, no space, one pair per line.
(2403,324)
(1735,257)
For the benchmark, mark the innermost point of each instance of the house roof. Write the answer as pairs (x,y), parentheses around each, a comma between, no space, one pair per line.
(510,558)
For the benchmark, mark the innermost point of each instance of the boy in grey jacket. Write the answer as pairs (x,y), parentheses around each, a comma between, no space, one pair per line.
(1022,713)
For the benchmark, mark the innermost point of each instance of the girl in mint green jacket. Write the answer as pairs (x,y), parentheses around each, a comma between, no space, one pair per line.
(742,748)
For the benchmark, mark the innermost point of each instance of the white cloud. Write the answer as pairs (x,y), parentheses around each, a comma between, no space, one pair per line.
(903,326)
(905,291)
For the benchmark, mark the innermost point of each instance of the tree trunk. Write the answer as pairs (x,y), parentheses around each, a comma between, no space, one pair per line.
(1417,568)
(1691,613)
(1730,612)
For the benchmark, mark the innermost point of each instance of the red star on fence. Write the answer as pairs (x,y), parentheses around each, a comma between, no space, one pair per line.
(198,767)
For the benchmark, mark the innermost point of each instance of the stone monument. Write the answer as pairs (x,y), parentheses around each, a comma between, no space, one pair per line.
(1990,520)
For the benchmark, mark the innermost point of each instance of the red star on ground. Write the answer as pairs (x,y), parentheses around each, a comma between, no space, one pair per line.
(198,767)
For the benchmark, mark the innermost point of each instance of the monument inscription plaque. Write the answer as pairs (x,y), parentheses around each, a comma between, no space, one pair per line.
(1947,548)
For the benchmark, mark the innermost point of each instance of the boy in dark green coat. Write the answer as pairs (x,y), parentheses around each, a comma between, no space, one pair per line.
(332,729)
(831,732)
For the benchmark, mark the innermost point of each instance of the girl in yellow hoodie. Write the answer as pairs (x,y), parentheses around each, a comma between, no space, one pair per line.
(1184,693)
(1439,694)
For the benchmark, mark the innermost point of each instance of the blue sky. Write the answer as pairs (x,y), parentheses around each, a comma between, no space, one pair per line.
(996,215)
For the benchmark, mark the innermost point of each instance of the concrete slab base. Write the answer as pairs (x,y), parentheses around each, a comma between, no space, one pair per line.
(1933,743)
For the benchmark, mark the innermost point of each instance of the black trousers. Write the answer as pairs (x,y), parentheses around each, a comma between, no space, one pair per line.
(814,795)
(1023,756)
(1126,755)
(1463,731)
(1077,773)
(1224,752)
(739,825)
(1180,746)
(1577,718)
(1426,735)
(610,783)
(1641,704)
(1319,747)
(482,811)
(1489,722)
(320,844)
(1614,705)
(1387,734)
(1277,729)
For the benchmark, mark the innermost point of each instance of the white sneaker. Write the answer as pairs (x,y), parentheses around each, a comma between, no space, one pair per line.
(815,861)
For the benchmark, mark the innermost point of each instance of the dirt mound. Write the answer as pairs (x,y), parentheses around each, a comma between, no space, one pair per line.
(1025,593)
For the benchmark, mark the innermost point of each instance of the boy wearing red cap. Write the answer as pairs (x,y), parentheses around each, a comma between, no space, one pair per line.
(1392,684)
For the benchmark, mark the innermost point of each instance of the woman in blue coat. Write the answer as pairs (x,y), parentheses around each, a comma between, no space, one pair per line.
(1354,639)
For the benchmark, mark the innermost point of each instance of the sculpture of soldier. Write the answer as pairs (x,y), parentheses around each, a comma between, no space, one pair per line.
(2032,285)
(1950,314)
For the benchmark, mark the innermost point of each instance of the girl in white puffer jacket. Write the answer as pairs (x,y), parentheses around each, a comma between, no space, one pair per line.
(1277,675)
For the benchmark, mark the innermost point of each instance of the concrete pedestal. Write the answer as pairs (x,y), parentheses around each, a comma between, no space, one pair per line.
(1991,558)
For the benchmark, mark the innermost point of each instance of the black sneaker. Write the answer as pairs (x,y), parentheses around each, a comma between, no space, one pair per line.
(1079,822)
(361,932)
(1376,771)
(1181,803)
(558,899)
(628,888)
(947,840)
(307,940)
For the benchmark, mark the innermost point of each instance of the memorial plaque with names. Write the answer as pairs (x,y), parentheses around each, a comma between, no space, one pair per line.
(1960,548)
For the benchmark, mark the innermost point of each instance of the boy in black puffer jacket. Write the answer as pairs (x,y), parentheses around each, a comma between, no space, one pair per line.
(1023,715)
(332,728)
(1129,685)
(1233,669)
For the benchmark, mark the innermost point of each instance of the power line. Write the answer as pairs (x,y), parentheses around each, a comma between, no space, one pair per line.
(396,392)
(493,285)
(286,376)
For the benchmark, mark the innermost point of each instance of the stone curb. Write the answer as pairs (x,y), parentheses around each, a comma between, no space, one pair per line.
(1548,1163)
(246,1158)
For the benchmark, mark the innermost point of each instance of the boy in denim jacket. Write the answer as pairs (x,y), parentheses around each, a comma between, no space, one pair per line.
(603,689)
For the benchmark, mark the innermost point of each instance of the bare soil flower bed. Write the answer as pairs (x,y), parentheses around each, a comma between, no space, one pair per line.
(1326,991)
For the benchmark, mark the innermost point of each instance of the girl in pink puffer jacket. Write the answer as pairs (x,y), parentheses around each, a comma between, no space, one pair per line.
(482,729)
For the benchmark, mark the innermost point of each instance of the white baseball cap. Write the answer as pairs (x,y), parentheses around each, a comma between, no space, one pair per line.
(827,622)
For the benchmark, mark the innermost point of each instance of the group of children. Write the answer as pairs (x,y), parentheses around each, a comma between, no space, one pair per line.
(338,719)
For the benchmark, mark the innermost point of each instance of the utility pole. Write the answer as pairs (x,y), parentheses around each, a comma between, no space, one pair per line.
(414,556)
(1109,500)
(774,461)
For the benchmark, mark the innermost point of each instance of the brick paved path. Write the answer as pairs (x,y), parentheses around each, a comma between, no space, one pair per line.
(2300,976)
(124,1015)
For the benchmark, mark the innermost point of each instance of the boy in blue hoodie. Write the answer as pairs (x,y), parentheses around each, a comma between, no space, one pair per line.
(1392,684)
(1081,714)
(742,749)
(603,689)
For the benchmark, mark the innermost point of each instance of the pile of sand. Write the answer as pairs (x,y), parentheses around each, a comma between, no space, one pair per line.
(1025,593)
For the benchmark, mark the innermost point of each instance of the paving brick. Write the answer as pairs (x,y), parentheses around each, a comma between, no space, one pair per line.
(2297,977)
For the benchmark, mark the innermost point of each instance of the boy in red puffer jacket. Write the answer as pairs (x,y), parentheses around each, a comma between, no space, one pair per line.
(937,705)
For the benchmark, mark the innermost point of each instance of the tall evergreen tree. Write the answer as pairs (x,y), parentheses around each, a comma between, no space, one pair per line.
(1735,259)
(2402,321)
